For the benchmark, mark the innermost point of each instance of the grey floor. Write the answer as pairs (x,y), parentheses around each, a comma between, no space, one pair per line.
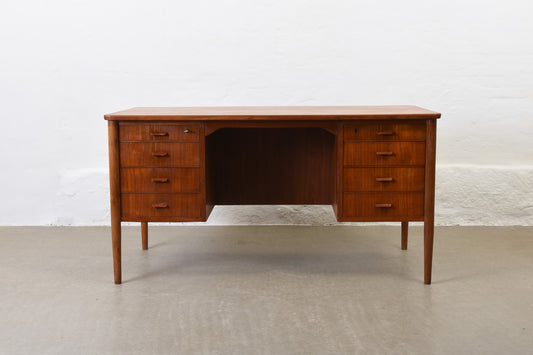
(266,290)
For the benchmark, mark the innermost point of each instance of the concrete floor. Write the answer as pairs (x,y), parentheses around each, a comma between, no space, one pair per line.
(266,290)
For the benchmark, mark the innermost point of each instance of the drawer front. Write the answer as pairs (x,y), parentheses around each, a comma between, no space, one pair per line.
(374,205)
(160,154)
(160,180)
(159,132)
(386,131)
(383,179)
(161,207)
(384,153)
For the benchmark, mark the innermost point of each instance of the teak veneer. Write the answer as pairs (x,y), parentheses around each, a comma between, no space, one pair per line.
(371,163)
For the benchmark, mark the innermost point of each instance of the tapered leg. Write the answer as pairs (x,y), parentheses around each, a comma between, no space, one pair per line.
(428,249)
(144,230)
(116,241)
(114,192)
(429,198)
(405,229)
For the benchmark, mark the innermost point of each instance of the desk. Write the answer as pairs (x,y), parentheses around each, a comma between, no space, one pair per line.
(370,163)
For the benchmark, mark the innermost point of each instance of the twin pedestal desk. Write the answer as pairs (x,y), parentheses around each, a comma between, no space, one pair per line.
(371,163)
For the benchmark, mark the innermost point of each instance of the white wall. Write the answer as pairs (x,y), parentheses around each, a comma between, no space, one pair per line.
(63,64)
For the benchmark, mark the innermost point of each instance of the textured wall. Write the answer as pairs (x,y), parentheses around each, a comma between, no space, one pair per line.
(65,63)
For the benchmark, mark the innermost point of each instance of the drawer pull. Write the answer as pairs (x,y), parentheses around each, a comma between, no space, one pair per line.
(160,205)
(384,179)
(159,134)
(160,154)
(186,130)
(385,133)
(384,154)
(159,180)
(383,205)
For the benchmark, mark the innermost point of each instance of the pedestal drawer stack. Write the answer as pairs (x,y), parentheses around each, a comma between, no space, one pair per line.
(383,171)
(160,171)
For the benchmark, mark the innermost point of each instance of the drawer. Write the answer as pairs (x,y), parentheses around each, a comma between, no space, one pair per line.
(384,153)
(383,179)
(161,207)
(160,154)
(385,131)
(160,180)
(374,205)
(159,132)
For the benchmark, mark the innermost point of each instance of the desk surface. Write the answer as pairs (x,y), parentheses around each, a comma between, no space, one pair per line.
(273,113)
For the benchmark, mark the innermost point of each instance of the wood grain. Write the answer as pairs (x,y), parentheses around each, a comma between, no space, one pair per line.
(339,171)
(252,113)
(371,163)
(171,155)
(404,205)
(210,177)
(144,232)
(205,210)
(213,126)
(188,132)
(160,180)
(272,166)
(429,201)
(405,231)
(149,207)
(385,131)
(401,153)
(384,179)
(114,192)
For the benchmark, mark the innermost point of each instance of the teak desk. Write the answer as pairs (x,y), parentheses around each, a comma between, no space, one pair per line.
(371,163)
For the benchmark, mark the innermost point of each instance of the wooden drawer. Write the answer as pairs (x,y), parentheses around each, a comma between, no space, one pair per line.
(383,179)
(160,154)
(376,205)
(161,207)
(160,180)
(385,131)
(384,153)
(159,132)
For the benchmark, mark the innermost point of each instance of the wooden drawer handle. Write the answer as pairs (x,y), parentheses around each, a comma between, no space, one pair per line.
(160,180)
(384,179)
(160,205)
(383,205)
(186,130)
(384,153)
(385,133)
(159,134)
(160,154)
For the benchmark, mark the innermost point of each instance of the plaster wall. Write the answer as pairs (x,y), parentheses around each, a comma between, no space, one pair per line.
(63,64)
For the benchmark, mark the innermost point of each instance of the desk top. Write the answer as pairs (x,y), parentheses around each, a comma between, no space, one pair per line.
(247,113)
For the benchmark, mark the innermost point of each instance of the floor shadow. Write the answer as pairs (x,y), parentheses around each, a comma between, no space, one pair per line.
(298,263)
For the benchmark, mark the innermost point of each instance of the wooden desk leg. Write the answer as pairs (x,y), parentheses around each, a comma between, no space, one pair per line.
(116,241)
(405,230)
(114,192)
(428,249)
(144,231)
(429,198)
